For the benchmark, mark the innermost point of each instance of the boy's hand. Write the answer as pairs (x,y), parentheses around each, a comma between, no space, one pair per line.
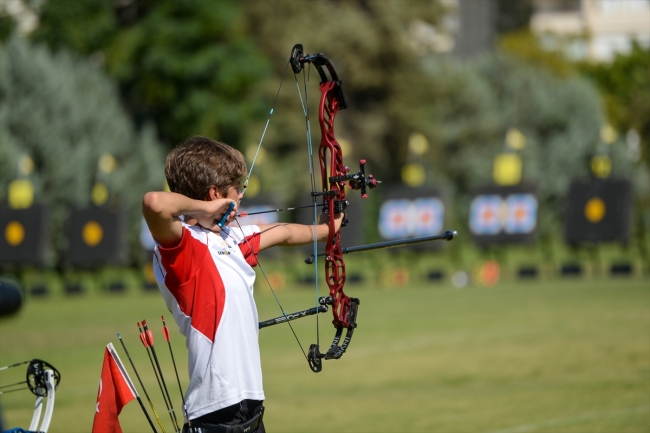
(215,210)
(338,220)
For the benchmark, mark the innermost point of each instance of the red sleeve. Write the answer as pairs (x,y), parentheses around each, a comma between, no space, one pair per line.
(182,261)
(250,248)
(194,281)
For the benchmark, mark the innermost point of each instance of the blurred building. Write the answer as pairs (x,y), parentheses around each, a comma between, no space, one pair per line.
(467,28)
(594,30)
(476,31)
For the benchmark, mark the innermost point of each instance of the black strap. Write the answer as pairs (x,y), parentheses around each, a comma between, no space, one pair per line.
(246,427)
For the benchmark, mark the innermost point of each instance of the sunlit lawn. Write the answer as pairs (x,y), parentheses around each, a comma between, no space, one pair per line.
(555,356)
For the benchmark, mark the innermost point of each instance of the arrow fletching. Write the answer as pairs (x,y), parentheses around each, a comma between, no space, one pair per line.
(148,333)
(165,330)
(143,338)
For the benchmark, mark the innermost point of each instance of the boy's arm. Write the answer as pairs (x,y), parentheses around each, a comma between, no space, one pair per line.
(285,234)
(162,209)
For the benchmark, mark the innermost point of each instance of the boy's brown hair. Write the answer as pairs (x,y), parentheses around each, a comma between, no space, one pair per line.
(199,163)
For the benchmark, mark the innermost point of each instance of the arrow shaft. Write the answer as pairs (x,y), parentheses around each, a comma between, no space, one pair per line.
(171,352)
(245,214)
(448,235)
(162,379)
(153,367)
(144,390)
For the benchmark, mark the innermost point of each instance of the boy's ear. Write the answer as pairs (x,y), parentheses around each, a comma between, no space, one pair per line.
(214,193)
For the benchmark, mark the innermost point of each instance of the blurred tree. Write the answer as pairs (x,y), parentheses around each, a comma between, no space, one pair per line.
(65,114)
(560,117)
(525,45)
(188,66)
(7,27)
(395,88)
(513,15)
(625,85)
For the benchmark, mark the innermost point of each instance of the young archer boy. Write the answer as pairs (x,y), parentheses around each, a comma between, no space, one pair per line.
(205,273)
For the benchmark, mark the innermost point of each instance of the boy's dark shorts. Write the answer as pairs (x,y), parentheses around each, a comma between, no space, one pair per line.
(230,419)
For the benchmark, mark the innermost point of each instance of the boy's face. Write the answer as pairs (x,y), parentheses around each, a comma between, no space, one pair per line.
(235,192)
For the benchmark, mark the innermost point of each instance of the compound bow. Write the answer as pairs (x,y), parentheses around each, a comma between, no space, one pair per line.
(335,176)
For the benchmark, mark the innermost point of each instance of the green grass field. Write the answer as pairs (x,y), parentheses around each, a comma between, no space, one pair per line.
(546,356)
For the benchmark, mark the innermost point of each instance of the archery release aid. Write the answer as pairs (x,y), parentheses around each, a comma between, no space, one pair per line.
(223,219)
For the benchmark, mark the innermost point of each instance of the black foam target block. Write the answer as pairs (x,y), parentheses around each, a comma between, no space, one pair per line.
(96,237)
(24,236)
(598,210)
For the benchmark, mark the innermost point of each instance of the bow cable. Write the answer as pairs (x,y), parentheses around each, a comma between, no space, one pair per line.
(305,107)
(259,146)
(310,152)
(268,119)
(284,314)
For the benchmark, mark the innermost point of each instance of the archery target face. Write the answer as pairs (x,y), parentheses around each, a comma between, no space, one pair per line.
(485,215)
(427,216)
(503,215)
(521,213)
(394,219)
(402,218)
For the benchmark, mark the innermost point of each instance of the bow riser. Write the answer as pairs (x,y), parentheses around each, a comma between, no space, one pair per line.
(332,167)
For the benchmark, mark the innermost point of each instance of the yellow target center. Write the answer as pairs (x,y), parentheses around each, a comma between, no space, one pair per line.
(99,194)
(92,233)
(595,210)
(414,174)
(14,233)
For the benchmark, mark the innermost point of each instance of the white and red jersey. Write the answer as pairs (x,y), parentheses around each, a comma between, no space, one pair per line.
(207,282)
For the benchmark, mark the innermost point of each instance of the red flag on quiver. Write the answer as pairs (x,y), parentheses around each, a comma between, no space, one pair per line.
(115,391)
